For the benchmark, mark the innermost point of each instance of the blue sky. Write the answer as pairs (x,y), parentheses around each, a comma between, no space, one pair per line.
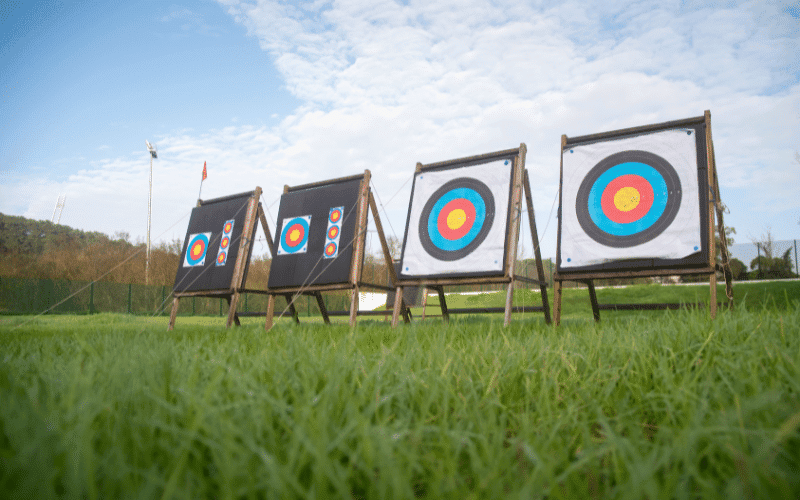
(273,93)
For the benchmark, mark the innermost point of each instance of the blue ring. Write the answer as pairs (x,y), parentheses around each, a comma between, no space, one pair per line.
(480,216)
(660,196)
(289,224)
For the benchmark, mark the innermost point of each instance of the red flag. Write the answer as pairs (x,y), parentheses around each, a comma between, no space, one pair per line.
(205,172)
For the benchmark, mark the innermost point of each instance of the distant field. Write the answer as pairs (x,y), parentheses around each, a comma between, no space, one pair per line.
(665,404)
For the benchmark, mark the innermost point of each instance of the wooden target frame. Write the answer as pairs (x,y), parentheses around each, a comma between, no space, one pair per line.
(701,263)
(506,272)
(353,282)
(233,290)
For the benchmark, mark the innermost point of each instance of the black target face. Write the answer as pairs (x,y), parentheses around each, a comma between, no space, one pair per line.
(628,199)
(456,219)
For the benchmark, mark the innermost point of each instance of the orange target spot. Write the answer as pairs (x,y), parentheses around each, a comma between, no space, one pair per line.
(456,219)
(626,199)
(197,249)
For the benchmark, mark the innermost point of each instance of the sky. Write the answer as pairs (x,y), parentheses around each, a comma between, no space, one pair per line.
(270,93)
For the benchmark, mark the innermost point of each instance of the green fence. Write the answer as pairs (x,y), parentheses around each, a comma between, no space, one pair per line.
(34,296)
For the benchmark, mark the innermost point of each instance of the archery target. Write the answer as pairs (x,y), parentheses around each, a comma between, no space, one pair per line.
(196,250)
(631,198)
(332,234)
(454,221)
(325,232)
(330,250)
(225,243)
(335,215)
(217,224)
(294,235)
(458,220)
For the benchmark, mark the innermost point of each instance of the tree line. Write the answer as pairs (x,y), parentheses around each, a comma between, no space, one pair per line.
(42,250)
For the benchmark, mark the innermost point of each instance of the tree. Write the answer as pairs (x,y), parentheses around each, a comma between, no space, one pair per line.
(768,267)
(738,269)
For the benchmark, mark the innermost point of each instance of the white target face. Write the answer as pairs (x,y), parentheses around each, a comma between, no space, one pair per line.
(457,221)
(632,198)
(196,249)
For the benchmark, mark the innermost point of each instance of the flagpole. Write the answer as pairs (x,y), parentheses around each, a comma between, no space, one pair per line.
(201,181)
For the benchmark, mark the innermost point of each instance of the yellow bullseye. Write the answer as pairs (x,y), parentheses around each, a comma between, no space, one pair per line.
(196,251)
(294,235)
(626,199)
(456,219)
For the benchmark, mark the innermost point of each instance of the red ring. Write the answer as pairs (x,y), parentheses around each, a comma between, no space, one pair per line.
(459,232)
(293,227)
(197,249)
(646,198)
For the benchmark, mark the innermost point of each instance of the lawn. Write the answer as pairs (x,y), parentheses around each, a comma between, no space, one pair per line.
(665,404)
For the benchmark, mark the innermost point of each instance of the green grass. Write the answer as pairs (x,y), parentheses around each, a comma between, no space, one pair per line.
(780,295)
(664,405)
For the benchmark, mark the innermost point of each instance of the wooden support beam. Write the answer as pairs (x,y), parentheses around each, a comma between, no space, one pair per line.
(173,315)
(443,303)
(536,252)
(322,309)
(593,300)
(268,323)
(557,302)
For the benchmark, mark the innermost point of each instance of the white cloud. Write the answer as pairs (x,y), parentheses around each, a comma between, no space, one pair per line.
(385,84)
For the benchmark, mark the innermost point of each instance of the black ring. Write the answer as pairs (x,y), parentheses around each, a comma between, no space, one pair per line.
(449,255)
(671,179)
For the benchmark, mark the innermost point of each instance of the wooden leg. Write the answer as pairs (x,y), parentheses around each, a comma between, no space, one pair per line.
(270,312)
(557,302)
(406,312)
(173,315)
(593,300)
(353,306)
(398,304)
(424,301)
(712,306)
(292,308)
(509,301)
(443,303)
(233,303)
(322,309)
(545,303)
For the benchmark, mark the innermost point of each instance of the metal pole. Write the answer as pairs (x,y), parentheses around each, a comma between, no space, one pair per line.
(796,269)
(149,205)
